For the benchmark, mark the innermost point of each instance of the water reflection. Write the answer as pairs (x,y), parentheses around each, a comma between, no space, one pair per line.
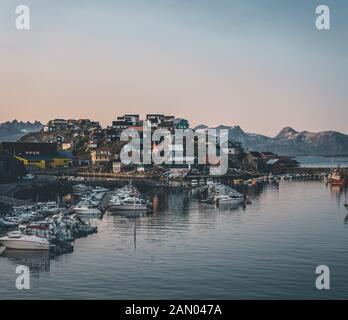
(201,250)
(36,261)
(339,193)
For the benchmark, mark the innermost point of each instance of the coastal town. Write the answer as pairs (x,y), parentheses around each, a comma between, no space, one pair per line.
(84,147)
(83,161)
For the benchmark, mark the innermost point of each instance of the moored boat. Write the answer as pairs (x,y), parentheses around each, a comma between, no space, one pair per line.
(25,242)
(80,188)
(5,223)
(128,198)
(337,177)
(129,203)
(194,183)
(86,210)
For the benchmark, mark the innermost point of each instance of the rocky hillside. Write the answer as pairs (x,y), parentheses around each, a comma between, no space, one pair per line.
(291,142)
(12,131)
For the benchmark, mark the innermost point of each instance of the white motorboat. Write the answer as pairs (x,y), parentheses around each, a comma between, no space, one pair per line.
(26,217)
(128,199)
(24,242)
(130,203)
(222,199)
(86,210)
(223,194)
(5,223)
(236,197)
(100,189)
(227,199)
(79,188)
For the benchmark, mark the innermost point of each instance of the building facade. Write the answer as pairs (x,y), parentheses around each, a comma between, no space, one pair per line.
(42,156)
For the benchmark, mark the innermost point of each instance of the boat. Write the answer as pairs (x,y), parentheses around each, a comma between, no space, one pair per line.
(5,223)
(236,197)
(100,189)
(230,198)
(223,199)
(128,198)
(80,188)
(209,200)
(130,203)
(194,182)
(336,177)
(221,194)
(25,242)
(86,210)
(210,181)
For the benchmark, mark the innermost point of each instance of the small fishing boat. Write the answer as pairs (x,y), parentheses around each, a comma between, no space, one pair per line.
(336,177)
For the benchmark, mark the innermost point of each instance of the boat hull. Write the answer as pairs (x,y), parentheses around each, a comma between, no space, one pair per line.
(129,207)
(87,211)
(24,245)
(337,182)
(231,201)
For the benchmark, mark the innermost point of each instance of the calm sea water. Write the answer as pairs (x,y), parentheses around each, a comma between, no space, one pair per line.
(189,250)
(322,162)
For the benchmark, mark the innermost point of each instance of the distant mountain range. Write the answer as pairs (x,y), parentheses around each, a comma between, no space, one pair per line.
(12,131)
(291,142)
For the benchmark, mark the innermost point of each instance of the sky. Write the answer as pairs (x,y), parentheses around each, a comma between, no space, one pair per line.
(260,64)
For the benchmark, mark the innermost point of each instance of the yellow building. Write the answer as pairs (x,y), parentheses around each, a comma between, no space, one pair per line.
(46,162)
(42,156)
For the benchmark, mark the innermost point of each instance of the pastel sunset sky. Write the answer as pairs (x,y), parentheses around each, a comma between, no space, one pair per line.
(259,64)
